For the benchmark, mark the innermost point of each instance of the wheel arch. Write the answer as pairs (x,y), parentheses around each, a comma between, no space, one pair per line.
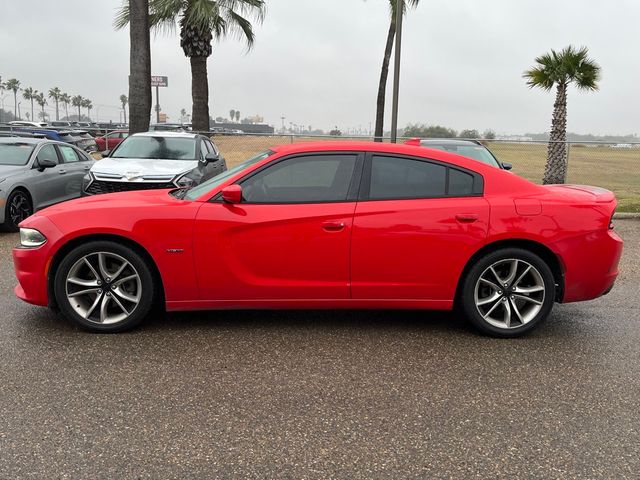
(546,254)
(75,242)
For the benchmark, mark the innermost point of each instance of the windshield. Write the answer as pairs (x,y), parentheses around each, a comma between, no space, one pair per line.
(477,152)
(159,147)
(15,153)
(210,184)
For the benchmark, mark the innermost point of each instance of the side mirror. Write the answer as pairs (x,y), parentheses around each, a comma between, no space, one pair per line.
(106,153)
(507,165)
(232,194)
(211,158)
(46,163)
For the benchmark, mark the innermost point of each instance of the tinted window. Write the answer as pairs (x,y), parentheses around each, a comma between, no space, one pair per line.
(318,178)
(460,183)
(48,152)
(69,155)
(393,177)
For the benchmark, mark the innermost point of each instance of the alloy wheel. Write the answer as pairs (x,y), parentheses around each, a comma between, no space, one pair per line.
(510,293)
(19,208)
(103,288)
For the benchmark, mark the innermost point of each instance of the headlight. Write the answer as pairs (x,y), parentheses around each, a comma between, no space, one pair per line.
(31,238)
(86,181)
(185,182)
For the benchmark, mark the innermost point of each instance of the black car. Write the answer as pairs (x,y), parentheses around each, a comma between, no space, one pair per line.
(467,148)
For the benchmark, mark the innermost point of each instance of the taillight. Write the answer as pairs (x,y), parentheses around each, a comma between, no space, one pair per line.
(413,141)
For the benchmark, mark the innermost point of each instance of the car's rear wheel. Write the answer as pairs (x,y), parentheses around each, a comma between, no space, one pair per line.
(17,209)
(104,286)
(508,292)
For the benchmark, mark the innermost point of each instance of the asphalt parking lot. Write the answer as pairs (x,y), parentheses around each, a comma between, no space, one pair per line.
(323,394)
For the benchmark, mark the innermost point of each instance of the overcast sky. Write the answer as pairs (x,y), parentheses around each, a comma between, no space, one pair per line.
(318,63)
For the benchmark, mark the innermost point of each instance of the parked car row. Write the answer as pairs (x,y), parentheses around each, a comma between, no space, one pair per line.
(80,138)
(36,172)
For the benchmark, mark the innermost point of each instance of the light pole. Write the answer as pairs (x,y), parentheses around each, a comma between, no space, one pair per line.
(396,71)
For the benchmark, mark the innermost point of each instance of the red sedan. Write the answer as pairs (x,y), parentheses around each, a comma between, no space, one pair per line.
(327,225)
(111,140)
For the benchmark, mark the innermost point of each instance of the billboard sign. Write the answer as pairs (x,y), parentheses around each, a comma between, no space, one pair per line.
(159,81)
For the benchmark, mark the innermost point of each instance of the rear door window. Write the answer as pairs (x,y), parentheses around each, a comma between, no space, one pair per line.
(69,154)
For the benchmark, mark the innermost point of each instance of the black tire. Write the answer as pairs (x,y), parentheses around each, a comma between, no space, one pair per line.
(19,206)
(534,307)
(144,288)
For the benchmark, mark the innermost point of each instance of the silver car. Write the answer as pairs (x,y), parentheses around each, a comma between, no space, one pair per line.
(156,160)
(36,173)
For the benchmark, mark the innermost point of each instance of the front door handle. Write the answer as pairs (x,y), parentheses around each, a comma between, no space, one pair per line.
(333,226)
(466,217)
(62,172)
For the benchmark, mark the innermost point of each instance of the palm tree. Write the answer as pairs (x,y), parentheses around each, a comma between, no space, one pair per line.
(42,101)
(13,85)
(30,94)
(237,115)
(65,99)
(232,114)
(200,22)
(86,103)
(183,113)
(560,69)
(76,101)
(55,93)
(124,100)
(384,73)
(136,13)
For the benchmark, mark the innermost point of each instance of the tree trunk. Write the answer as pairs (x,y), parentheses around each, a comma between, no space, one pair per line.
(79,114)
(124,114)
(382,87)
(139,66)
(15,105)
(556,169)
(57,111)
(199,94)
(32,108)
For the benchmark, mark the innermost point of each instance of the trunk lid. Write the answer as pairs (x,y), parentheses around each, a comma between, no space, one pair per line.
(596,194)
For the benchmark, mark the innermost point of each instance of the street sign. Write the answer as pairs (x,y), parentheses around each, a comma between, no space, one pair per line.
(159,81)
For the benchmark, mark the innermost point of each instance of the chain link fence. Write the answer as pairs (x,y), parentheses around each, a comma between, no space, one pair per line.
(612,166)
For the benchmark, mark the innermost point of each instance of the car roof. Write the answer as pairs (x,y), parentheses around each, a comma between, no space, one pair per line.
(166,134)
(35,141)
(348,145)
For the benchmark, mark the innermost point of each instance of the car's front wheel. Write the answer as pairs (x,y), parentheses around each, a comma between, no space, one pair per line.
(104,286)
(17,209)
(508,292)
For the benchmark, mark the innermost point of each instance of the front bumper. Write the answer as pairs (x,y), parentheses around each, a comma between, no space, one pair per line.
(32,264)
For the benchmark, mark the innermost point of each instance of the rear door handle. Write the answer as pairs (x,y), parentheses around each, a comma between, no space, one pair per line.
(333,226)
(466,217)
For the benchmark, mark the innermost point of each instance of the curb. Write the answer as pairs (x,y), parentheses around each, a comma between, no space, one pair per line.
(626,216)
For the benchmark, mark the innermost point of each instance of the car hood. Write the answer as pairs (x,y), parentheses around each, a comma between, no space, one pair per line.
(9,170)
(143,167)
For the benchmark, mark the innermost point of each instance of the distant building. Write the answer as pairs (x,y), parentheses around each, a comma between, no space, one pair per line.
(246,127)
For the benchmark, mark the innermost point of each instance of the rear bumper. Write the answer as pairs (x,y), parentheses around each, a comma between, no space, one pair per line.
(590,264)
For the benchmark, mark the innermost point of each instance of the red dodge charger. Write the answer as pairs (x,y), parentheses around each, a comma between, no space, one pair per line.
(327,225)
